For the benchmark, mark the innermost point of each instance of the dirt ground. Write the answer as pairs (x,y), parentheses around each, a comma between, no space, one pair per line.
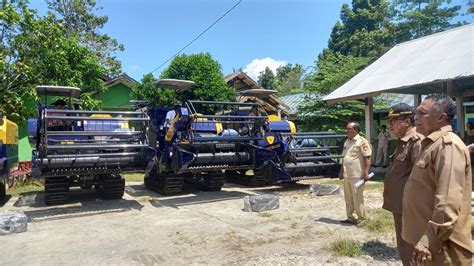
(193,228)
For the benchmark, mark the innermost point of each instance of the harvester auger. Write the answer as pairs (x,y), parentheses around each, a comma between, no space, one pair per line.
(85,148)
(204,141)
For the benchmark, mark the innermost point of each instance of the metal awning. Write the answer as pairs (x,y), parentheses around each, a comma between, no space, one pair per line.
(48,90)
(176,84)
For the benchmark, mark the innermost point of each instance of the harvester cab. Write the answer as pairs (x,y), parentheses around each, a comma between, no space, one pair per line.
(85,148)
(205,141)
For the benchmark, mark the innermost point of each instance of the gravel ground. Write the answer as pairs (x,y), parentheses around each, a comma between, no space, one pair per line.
(195,227)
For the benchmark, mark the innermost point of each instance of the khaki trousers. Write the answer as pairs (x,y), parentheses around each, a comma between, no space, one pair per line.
(382,152)
(404,248)
(354,199)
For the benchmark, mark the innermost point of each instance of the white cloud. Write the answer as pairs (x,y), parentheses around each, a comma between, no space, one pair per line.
(258,65)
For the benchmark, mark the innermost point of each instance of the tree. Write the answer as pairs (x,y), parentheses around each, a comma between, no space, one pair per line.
(364,30)
(205,72)
(81,23)
(289,79)
(418,18)
(332,70)
(35,51)
(266,79)
(147,91)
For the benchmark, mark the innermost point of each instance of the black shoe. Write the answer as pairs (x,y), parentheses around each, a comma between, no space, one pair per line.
(374,165)
(347,221)
(384,166)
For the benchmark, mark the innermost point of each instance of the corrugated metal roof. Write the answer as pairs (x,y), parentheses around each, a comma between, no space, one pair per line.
(442,56)
(293,101)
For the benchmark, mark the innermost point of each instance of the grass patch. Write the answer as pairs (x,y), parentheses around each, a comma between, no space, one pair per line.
(264,214)
(134,177)
(346,247)
(26,186)
(379,221)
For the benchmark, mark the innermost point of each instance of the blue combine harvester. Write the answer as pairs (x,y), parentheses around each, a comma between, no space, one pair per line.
(204,141)
(8,152)
(74,147)
(301,155)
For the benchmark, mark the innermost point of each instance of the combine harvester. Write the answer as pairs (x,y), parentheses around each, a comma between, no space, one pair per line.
(74,147)
(8,152)
(301,155)
(205,141)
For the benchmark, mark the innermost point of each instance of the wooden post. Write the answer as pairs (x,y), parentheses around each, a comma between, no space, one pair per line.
(460,115)
(416,100)
(369,114)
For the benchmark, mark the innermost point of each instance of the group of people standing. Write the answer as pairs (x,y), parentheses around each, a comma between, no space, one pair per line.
(427,186)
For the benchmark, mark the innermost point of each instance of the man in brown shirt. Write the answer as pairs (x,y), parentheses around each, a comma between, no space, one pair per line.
(437,197)
(401,122)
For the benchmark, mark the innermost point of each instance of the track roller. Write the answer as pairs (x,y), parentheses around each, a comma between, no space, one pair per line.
(164,183)
(56,190)
(111,186)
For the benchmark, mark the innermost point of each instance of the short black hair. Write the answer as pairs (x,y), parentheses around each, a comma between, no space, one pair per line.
(59,102)
(384,126)
(444,104)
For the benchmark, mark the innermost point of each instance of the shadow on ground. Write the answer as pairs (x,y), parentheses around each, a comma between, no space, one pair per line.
(380,251)
(80,204)
(332,221)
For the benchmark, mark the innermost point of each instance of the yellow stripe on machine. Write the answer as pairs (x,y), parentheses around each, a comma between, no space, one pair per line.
(8,132)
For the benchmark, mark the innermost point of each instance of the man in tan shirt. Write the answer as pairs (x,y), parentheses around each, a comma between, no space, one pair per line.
(437,197)
(401,122)
(355,165)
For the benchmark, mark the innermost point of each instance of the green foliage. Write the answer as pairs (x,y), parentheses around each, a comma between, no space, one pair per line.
(418,18)
(322,116)
(266,79)
(206,74)
(80,21)
(332,70)
(365,29)
(346,247)
(289,79)
(36,51)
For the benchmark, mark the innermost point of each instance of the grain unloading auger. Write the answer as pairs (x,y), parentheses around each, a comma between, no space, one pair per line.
(85,148)
(204,142)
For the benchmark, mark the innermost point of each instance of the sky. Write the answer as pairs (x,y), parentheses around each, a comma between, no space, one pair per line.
(255,34)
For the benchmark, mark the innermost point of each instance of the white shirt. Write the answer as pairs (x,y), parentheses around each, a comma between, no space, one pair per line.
(169,116)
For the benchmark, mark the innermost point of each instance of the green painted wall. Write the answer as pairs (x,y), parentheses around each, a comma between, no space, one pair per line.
(115,96)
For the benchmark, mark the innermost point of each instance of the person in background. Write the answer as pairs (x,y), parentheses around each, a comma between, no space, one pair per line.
(355,165)
(401,122)
(436,213)
(57,124)
(382,147)
(469,134)
(170,116)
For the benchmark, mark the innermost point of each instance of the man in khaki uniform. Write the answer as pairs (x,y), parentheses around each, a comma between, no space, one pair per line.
(437,197)
(382,147)
(401,122)
(355,165)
